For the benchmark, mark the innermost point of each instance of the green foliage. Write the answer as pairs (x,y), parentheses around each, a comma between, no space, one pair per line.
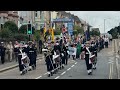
(6,33)
(57,32)
(114,32)
(21,37)
(94,33)
(79,29)
(37,35)
(23,29)
(11,26)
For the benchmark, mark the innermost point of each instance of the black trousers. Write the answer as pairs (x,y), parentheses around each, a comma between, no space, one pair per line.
(106,44)
(49,67)
(2,59)
(77,56)
(63,59)
(89,66)
(16,56)
(21,67)
(49,63)
(66,60)
(34,61)
(40,49)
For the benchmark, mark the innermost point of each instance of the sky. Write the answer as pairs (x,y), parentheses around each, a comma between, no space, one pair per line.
(96,18)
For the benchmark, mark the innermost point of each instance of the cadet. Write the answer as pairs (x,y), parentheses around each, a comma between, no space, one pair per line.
(49,63)
(2,52)
(35,56)
(21,67)
(31,55)
(87,51)
(94,52)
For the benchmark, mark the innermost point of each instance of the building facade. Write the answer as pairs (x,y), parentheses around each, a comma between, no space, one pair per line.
(8,16)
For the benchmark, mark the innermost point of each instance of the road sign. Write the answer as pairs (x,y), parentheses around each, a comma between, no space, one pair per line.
(63,20)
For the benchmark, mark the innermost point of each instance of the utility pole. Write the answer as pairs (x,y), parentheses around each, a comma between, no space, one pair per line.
(104,25)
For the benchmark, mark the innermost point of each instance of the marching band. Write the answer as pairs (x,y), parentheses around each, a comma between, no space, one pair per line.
(57,54)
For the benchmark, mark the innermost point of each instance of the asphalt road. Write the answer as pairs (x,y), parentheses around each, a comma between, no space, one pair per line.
(106,69)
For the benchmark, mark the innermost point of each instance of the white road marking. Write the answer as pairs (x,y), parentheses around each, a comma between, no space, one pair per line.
(8,71)
(111,62)
(68,69)
(38,77)
(72,65)
(63,72)
(57,77)
(76,63)
(45,73)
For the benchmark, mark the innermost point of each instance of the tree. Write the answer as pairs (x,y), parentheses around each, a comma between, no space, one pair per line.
(79,29)
(21,37)
(11,26)
(23,29)
(94,33)
(5,33)
(37,35)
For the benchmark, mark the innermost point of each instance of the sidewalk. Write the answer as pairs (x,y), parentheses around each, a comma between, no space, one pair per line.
(13,64)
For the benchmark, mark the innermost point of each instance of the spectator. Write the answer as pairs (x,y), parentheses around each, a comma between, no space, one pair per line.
(40,46)
(10,51)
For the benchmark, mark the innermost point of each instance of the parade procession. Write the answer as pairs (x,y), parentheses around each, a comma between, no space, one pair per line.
(58,51)
(61,46)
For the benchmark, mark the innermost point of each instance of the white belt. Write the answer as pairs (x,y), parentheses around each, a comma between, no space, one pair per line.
(31,51)
(95,51)
(86,53)
(19,54)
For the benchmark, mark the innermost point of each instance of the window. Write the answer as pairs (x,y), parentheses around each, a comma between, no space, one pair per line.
(40,14)
(36,14)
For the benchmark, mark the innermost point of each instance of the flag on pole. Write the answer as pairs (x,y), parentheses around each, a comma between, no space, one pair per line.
(52,34)
(44,31)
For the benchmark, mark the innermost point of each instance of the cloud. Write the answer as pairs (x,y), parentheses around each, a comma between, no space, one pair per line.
(96,18)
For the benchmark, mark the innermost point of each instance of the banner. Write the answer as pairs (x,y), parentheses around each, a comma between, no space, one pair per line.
(71,50)
(52,34)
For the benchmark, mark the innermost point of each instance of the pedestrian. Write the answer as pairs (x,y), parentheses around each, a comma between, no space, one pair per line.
(40,46)
(16,48)
(2,52)
(10,51)
(106,39)
(87,51)
(74,53)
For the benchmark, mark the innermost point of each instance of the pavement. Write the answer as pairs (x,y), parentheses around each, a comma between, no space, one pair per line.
(9,65)
(76,69)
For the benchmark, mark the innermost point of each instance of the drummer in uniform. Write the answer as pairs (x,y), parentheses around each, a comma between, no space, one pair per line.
(32,56)
(49,62)
(94,52)
(87,51)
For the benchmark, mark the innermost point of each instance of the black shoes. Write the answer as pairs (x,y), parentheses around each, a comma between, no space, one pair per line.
(90,73)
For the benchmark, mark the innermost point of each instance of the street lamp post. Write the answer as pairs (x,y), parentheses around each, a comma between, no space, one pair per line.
(104,25)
